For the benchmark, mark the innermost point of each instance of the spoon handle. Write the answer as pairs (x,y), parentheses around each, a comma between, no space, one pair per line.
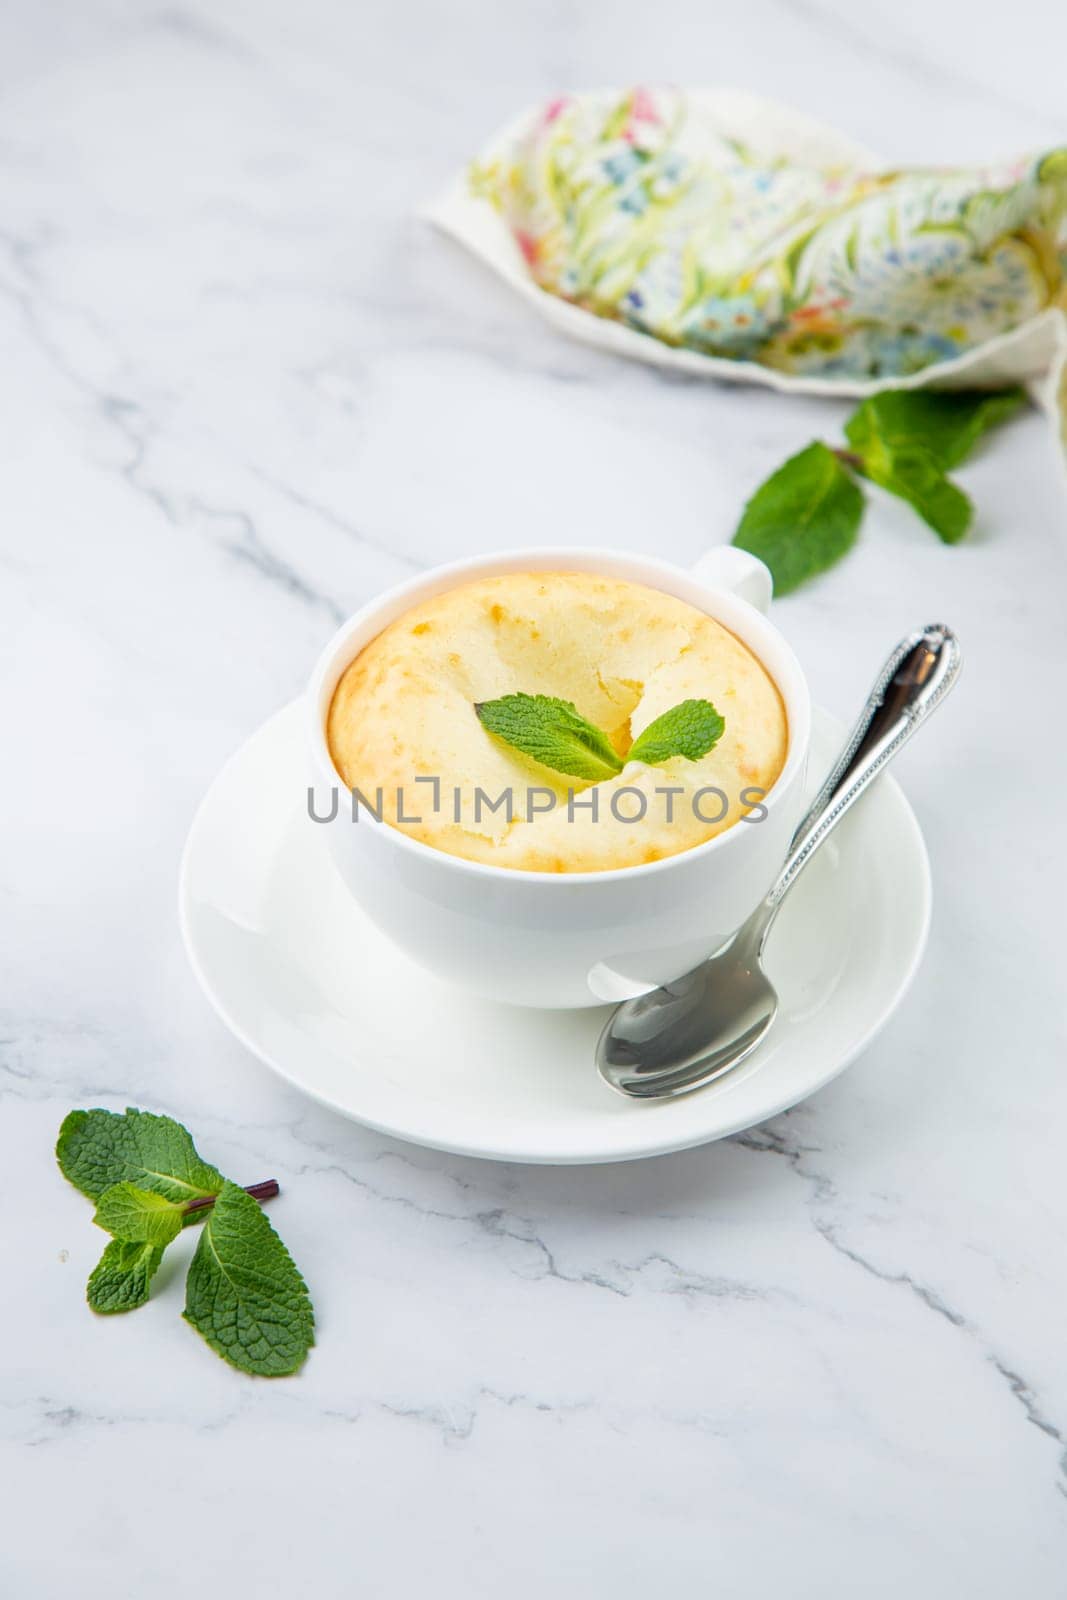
(914,681)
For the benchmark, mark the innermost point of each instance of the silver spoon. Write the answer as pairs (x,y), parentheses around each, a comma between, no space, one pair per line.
(701,1025)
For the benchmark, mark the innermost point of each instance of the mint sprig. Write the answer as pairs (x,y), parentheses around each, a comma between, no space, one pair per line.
(555,734)
(244,1294)
(807,514)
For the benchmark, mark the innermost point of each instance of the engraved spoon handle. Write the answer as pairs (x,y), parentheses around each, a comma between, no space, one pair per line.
(914,681)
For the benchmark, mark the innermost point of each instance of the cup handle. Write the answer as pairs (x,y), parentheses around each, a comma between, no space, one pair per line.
(727,567)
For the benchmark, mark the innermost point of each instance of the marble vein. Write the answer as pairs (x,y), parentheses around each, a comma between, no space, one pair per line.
(775,1139)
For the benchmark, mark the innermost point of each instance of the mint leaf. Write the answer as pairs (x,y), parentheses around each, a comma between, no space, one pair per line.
(803,519)
(552,732)
(129,1213)
(97,1149)
(121,1278)
(905,440)
(690,729)
(244,1293)
(912,473)
(946,425)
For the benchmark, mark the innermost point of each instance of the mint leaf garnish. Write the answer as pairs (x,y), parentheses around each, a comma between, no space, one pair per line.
(244,1294)
(99,1148)
(138,1215)
(121,1278)
(555,733)
(690,729)
(946,425)
(552,732)
(803,519)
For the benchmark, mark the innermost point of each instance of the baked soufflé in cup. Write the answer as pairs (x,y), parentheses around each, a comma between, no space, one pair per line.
(405,734)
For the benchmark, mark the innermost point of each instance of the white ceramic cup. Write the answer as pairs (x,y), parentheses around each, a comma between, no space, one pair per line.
(581,938)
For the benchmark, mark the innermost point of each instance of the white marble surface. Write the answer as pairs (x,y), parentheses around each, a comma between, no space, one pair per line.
(242,389)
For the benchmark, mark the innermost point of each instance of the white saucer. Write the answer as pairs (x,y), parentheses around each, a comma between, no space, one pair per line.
(299,974)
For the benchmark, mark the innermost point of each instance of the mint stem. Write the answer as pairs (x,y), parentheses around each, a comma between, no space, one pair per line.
(850,458)
(259,1191)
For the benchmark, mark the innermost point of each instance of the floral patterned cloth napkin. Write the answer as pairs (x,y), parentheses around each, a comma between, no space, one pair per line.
(722,234)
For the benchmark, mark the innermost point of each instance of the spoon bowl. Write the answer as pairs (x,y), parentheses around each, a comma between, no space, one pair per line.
(707,1021)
